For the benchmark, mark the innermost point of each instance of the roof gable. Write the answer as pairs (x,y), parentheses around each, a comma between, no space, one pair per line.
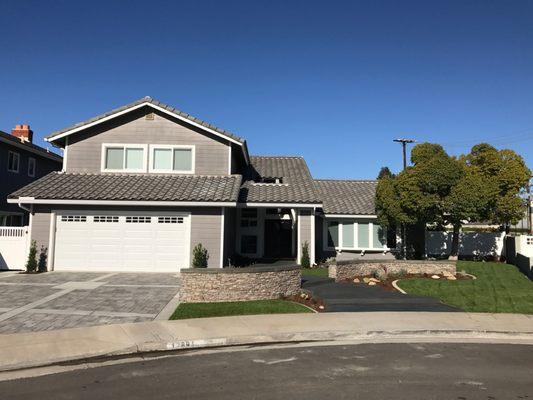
(156,105)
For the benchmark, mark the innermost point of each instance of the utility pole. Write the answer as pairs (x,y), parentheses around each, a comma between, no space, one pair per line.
(404,143)
(530,207)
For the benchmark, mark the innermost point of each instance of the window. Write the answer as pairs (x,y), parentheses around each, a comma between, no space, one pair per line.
(173,159)
(31,166)
(348,231)
(379,236)
(105,218)
(333,234)
(271,180)
(138,220)
(73,218)
(170,220)
(11,220)
(124,158)
(13,161)
(248,217)
(248,244)
(362,235)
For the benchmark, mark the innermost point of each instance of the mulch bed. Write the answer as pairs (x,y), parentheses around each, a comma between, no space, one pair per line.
(309,301)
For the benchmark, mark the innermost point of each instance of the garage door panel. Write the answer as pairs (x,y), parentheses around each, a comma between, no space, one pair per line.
(112,244)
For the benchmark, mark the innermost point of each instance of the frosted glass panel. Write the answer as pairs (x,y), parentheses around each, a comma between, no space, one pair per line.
(362,233)
(114,158)
(182,160)
(163,159)
(333,234)
(134,158)
(380,236)
(347,234)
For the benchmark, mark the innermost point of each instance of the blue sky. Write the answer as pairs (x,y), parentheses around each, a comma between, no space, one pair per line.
(332,81)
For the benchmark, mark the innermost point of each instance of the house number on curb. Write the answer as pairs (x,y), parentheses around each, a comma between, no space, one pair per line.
(187,344)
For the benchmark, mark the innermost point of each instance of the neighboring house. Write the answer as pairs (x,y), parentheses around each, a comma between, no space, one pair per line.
(21,162)
(145,183)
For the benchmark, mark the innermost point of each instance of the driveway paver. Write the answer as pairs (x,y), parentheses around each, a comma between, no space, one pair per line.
(58,300)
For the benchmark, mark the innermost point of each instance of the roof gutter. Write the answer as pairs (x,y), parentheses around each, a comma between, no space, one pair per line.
(32,200)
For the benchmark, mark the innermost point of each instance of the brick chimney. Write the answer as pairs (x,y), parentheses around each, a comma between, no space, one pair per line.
(23,132)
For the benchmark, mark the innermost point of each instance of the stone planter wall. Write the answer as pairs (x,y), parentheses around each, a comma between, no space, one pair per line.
(239,284)
(354,268)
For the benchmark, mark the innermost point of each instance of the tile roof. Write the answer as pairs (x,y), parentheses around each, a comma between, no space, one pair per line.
(297,184)
(347,196)
(130,187)
(6,137)
(149,100)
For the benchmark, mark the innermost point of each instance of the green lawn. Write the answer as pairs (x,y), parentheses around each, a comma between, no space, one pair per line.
(499,288)
(321,272)
(203,310)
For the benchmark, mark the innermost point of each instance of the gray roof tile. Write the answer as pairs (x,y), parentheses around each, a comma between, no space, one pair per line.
(131,187)
(148,99)
(347,196)
(297,184)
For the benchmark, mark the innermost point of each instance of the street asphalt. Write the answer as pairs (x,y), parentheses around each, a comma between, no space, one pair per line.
(365,371)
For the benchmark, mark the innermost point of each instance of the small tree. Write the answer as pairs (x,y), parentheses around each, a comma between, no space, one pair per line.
(200,255)
(31,264)
(42,259)
(305,261)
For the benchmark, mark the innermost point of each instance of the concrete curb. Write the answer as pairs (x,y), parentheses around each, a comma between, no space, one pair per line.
(30,350)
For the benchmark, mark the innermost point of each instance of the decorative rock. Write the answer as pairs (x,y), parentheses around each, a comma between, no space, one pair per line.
(451,278)
(356,280)
(374,280)
(366,280)
(435,277)
(371,283)
(320,307)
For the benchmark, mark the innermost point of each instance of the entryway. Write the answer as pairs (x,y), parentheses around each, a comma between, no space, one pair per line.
(278,239)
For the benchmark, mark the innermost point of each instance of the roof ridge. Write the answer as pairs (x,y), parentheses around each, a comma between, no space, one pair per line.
(346,180)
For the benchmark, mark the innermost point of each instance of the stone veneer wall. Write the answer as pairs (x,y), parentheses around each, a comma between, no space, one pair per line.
(239,284)
(354,268)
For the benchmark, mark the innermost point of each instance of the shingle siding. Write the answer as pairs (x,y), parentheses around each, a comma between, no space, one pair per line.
(84,152)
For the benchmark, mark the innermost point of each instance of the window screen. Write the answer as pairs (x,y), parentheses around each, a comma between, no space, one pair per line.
(114,158)
(362,235)
(347,234)
(333,234)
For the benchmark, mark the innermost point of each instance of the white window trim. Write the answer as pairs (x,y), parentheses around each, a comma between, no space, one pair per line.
(356,237)
(30,159)
(125,146)
(18,161)
(153,147)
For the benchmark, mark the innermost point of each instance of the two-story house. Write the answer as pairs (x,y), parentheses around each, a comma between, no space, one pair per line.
(21,162)
(143,184)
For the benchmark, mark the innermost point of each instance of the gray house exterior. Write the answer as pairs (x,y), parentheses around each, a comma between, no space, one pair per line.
(21,162)
(142,185)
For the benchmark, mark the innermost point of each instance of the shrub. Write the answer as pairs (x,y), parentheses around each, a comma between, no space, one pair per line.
(305,261)
(41,267)
(380,274)
(31,264)
(200,255)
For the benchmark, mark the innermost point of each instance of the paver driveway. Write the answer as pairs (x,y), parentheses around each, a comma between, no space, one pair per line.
(57,300)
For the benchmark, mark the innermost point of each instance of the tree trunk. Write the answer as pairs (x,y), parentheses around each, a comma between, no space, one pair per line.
(455,242)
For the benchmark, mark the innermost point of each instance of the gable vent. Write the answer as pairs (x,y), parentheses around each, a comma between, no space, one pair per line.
(149,117)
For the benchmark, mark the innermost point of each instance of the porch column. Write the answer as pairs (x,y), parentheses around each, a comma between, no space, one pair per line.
(306,233)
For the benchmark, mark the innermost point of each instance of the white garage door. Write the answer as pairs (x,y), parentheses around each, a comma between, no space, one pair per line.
(122,242)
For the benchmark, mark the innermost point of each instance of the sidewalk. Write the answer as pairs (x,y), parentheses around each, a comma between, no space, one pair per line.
(25,350)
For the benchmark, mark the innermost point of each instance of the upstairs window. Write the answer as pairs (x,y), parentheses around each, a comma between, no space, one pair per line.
(272,180)
(124,158)
(248,217)
(31,166)
(13,161)
(172,159)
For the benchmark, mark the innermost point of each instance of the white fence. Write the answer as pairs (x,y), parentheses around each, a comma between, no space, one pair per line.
(13,247)
(471,244)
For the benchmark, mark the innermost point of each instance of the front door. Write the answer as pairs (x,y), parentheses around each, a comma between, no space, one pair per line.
(278,238)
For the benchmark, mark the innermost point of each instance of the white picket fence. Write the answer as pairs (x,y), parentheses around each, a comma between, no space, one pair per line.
(14,244)
(471,244)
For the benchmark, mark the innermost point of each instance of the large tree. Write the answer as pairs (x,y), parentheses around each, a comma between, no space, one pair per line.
(438,189)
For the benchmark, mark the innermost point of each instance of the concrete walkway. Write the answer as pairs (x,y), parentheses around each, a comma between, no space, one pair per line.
(27,350)
(350,297)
